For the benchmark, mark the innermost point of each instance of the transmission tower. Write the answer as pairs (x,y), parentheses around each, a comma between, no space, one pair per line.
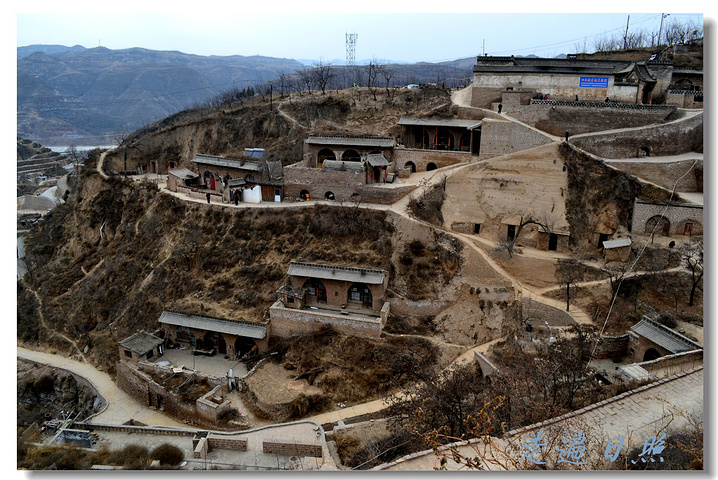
(351,40)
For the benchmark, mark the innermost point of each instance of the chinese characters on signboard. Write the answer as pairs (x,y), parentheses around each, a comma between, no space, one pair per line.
(593,82)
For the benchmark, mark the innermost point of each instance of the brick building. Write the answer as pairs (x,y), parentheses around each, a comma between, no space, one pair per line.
(211,334)
(349,298)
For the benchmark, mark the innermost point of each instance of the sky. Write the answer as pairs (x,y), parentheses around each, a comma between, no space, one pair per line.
(410,37)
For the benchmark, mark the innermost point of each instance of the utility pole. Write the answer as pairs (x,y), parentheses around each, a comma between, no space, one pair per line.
(660,29)
(625,37)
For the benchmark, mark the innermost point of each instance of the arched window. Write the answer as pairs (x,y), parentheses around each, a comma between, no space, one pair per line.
(360,294)
(329,196)
(304,195)
(411,166)
(430,166)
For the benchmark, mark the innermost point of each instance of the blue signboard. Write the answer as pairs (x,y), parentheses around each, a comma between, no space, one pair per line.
(594,82)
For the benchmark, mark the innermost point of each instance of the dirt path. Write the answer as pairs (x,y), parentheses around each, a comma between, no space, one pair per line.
(120,406)
(44,324)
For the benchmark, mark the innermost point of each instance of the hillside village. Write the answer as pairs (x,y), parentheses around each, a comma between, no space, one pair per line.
(338,280)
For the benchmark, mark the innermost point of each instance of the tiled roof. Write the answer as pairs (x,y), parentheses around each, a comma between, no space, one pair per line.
(141,342)
(212,324)
(617,243)
(332,272)
(552,65)
(377,160)
(438,122)
(183,173)
(349,141)
(237,163)
(663,336)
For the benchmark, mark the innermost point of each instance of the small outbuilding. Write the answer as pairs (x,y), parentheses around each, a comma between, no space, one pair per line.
(141,346)
(617,250)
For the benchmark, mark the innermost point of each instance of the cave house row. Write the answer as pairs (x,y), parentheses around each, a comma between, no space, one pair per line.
(571,93)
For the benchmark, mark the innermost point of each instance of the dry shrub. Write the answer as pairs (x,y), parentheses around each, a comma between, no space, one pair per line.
(167,454)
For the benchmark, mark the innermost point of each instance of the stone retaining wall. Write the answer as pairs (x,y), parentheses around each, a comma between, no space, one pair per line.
(288,321)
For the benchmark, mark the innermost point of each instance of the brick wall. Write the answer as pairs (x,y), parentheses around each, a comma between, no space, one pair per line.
(298,449)
(666,139)
(233,442)
(677,216)
(319,181)
(421,158)
(612,347)
(286,322)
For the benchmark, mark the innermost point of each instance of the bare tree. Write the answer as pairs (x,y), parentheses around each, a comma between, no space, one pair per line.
(693,259)
(322,73)
(306,78)
(372,71)
(510,242)
(569,271)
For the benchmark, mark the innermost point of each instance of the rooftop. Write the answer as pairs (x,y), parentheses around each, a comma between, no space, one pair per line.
(354,141)
(333,272)
(439,122)
(617,243)
(553,65)
(220,161)
(183,173)
(232,327)
(141,342)
(663,336)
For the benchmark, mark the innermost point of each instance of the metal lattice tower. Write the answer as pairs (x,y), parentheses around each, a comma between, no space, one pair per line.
(351,40)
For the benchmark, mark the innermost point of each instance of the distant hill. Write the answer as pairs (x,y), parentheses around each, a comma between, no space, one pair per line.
(88,94)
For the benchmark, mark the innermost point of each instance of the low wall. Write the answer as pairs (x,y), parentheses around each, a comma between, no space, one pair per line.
(288,321)
(298,449)
(676,363)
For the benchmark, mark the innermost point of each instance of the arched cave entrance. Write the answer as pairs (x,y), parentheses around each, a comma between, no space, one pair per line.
(651,354)
(324,154)
(316,292)
(351,156)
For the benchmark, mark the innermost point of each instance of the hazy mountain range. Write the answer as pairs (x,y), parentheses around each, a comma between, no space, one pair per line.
(87,95)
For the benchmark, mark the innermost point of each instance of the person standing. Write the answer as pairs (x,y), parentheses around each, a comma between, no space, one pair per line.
(208,197)
(236,197)
(500,107)
(567,135)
